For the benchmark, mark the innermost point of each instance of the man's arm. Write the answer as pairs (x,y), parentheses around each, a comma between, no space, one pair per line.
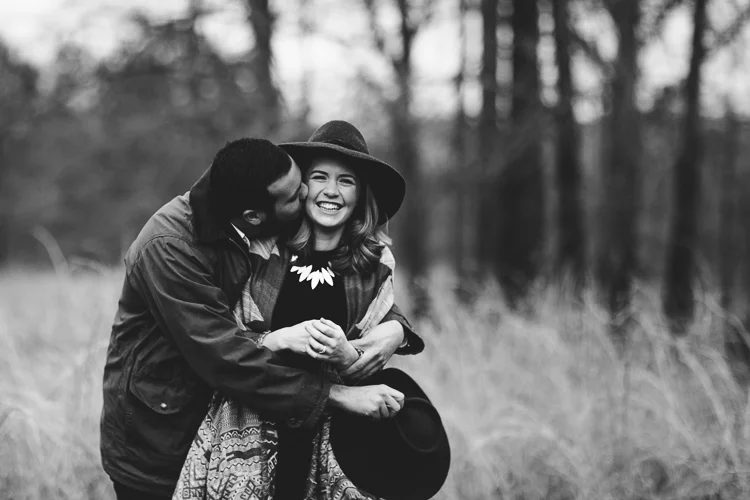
(176,282)
(374,401)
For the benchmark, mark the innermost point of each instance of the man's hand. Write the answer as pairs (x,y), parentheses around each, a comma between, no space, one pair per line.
(293,338)
(328,342)
(374,401)
(378,346)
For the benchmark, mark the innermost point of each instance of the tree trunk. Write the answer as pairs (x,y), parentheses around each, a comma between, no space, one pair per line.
(728,219)
(305,28)
(261,21)
(412,237)
(5,206)
(488,136)
(406,141)
(735,347)
(618,258)
(462,188)
(678,291)
(521,186)
(570,250)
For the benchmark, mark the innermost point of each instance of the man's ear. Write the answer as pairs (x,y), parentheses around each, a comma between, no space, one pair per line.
(254,217)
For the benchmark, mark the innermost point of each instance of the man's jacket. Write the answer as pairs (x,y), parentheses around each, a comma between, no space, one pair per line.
(174,341)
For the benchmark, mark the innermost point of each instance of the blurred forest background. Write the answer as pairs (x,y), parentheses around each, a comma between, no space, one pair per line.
(537,143)
(576,213)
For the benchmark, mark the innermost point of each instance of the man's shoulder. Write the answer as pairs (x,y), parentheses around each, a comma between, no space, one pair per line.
(174,220)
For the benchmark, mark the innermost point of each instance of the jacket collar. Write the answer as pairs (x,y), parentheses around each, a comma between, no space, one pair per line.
(207,228)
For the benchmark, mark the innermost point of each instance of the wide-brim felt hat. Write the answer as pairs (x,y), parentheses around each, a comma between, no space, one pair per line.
(406,457)
(341,140)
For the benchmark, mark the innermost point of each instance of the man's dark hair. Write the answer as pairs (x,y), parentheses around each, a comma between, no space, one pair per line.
(240,175)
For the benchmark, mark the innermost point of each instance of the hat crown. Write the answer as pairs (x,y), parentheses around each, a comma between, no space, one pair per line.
(419,425)
(342,134)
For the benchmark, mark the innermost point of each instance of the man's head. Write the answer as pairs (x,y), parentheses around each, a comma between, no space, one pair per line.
(256,185)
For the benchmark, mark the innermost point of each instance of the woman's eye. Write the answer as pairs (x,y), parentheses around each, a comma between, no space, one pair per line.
(347,182)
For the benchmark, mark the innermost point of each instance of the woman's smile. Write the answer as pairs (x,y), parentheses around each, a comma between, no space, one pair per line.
(333,191)
(329,207)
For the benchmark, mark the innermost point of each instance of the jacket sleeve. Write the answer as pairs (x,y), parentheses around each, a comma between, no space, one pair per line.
(414,343)
(176,282)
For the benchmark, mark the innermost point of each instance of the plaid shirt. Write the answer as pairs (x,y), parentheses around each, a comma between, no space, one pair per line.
(369,298)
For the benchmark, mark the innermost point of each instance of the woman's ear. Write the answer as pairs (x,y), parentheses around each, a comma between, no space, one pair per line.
(254,217)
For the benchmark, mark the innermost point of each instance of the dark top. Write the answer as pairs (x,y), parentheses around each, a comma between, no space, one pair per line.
(299,301)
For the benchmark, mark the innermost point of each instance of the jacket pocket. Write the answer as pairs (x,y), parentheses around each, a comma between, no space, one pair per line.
(162,419)
(161,396)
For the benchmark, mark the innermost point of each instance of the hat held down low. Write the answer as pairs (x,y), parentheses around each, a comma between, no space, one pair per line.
(406,457)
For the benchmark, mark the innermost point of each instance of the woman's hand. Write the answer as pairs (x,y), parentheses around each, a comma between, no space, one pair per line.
(328,342)
(378,345)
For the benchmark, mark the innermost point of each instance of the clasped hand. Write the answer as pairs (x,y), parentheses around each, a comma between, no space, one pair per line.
(328,342)
(319,339)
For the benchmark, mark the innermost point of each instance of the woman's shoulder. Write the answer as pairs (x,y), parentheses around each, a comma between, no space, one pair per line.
(387,259)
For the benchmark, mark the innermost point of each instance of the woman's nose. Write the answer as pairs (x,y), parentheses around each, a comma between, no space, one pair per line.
(330,189)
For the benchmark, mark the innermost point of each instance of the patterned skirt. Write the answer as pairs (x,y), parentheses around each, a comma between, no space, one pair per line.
(234,456)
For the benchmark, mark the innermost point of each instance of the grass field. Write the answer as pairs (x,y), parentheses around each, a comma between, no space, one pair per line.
(537,406)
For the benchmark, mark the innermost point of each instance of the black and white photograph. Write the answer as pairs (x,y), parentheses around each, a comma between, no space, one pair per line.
(375,249)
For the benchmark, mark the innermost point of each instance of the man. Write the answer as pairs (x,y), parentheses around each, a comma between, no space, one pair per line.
(175,341)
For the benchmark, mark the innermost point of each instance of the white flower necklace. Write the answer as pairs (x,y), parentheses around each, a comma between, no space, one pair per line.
(322,275)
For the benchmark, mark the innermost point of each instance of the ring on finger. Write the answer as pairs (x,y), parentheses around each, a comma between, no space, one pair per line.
(321,350)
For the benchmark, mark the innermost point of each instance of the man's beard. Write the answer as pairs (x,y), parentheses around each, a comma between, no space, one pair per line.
(273,226)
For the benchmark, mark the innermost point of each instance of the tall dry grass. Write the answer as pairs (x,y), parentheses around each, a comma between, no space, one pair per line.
(53,340)
(538,405)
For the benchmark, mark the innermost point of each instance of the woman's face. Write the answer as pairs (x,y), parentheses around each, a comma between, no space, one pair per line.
(333,191)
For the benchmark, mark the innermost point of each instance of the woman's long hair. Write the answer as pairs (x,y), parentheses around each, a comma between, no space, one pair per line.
(361,243)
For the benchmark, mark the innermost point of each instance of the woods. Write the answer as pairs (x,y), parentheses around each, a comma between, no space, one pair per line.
(574,247)
(515,179)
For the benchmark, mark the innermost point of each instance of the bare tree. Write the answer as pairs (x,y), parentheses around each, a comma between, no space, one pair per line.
(617,261)
(18,95)
(728,194)
(678,287)
(261,19)
(465,222)
(520,187)
(305,22)
(570,251)
(488,137)
(405,133)
(729,243)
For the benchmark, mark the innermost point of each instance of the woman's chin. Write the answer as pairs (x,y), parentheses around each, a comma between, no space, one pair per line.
(327,223)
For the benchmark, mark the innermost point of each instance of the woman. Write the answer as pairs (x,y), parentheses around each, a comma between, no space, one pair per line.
(331,284)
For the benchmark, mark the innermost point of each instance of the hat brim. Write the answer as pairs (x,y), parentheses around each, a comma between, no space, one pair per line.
(357,443)
(387,184)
